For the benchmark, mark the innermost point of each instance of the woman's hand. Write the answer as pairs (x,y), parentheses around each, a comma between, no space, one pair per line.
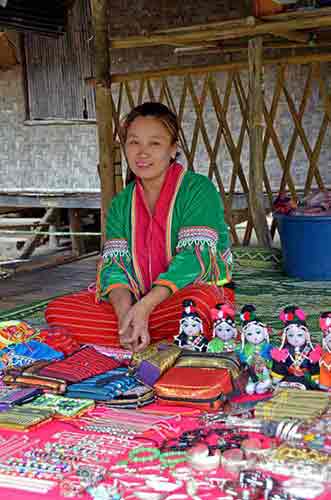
(133,331)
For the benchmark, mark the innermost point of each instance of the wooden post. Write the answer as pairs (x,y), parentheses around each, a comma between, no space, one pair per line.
(104,111)
(77,242)
(256,199)
(33,241)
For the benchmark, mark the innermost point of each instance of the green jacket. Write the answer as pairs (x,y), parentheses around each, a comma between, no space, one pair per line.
(198,246)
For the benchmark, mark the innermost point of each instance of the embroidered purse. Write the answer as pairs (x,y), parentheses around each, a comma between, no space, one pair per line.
(31,380)
(150,370)
(83,364)
(104,387)
(21,419)
(228,361)
(10,397)
(61,406)
(137,397)
(205,388)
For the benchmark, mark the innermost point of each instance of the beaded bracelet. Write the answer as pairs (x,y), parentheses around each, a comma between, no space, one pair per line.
(172,458)
(144,454)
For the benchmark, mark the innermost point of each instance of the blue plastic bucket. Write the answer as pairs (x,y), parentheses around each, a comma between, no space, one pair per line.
(306,246)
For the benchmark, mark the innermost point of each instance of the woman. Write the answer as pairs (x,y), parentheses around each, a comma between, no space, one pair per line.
(167,241)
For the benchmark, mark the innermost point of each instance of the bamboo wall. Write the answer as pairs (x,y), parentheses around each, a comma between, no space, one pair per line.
(212,110)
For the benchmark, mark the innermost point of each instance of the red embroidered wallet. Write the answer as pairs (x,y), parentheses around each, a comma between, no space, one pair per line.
(204,388)
(83,364)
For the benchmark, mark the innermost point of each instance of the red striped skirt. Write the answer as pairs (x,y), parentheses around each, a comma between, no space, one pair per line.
(93,323)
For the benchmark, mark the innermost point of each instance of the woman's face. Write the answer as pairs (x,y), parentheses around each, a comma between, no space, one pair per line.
(224,331)
(149,148)
(295,336)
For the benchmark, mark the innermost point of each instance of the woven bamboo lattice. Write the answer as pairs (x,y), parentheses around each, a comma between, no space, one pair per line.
(213,134)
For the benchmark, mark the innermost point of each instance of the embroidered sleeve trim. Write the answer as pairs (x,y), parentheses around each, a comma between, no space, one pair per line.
(115,248)
(116,286)
(197,236)
(166,283)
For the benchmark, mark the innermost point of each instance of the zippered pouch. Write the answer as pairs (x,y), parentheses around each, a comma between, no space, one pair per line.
(228,361)
(104,387)
(137,397)
(205,388)
(12,396)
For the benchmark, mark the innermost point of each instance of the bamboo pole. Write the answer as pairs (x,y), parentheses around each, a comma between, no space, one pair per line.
(256,198)
(104,111)
(229,31)
(212,68)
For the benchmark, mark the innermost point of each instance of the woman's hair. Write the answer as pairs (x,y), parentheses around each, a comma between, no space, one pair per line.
(156,110)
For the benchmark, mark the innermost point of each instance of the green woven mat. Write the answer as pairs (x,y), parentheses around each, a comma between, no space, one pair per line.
(259,281)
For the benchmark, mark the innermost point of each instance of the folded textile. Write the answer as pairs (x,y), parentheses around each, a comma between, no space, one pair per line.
(59,339)
(15,332)
(25,354)
(103,387)
(81,365)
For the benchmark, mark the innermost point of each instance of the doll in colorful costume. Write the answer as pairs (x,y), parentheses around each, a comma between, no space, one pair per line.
(224,329)
(325,360)
(296,361)
(190,334)
(255,351)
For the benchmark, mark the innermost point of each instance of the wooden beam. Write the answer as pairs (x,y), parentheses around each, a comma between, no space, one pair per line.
(248,28)
(210,68)
(256,198)
(294,36)
(104,109)
(220,48)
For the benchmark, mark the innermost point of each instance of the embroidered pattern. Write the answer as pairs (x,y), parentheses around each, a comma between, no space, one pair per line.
(197,236)
(115,248)
(227,257)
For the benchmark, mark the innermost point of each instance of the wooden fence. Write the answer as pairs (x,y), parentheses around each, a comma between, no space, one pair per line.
(203,100)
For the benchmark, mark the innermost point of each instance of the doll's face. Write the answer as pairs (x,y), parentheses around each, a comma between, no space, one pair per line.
(224,331)
(296,335)
(255,334)
(191,326)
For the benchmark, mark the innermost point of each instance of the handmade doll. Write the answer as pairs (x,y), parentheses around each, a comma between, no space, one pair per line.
(190,334)
(325,360)
(224,329)
(255,351)
(296,361)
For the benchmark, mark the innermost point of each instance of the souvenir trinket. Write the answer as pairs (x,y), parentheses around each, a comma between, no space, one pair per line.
(296,361)
(224,329)
(255,351)
(325,360)
(190,334)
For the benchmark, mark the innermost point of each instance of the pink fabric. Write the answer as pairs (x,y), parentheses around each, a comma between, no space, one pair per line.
(44,432)
(150,229)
